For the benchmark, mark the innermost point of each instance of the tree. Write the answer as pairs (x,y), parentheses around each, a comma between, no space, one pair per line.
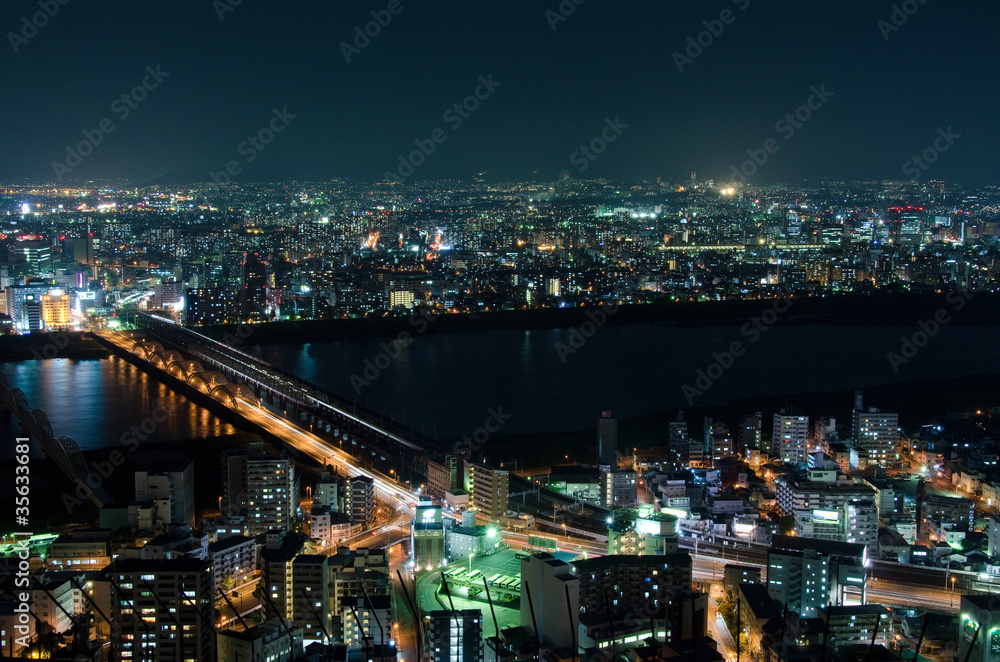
(786,524)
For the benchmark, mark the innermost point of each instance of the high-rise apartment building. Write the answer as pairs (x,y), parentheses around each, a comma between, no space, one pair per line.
(877,433)
(359,502)
(310,596)
(488,489)
(254,285)
(790,438)
(263,488)
(162,609)
(456,636)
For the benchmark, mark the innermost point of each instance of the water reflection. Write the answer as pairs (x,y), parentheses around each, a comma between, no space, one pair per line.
(97,401)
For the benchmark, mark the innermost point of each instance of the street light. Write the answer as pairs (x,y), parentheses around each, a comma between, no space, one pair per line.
(953,592)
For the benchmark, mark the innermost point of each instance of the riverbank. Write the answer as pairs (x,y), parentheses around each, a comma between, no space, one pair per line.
(64,345)
(917,403)
(904,308)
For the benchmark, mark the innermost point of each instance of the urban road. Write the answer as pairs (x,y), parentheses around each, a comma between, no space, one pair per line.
(888,583)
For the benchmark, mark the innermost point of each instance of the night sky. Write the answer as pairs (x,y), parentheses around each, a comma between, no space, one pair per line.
(558,87)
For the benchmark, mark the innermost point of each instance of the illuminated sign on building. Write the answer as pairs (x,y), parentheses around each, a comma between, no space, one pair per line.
(829,515)
(429,516)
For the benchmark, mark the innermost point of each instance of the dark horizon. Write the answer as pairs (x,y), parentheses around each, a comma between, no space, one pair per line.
(885,81)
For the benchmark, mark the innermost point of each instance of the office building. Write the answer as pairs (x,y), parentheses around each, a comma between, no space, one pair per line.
(37,254)
(163,609)
(488,488)
(254,285)
(818,488)
(807,574)
(209,306)
(456,636)
(854,520)
(607,440)
(173,481)
(619,488)
(790,438)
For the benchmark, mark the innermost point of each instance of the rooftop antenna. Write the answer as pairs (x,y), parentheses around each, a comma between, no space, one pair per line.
(569,611)
(413,610)
(378,621)
(534,622)
(975,637)
(611,624)
(489,600)
(871,648)
(920,641)
(284,624)
(319,621)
